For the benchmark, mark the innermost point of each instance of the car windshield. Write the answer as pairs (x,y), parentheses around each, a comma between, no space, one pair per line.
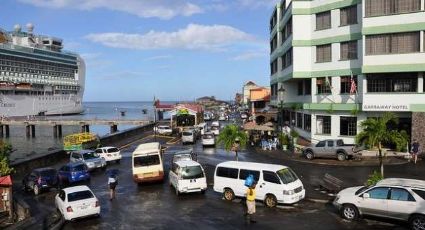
(90,155)
(214,128)
(287,175)
(48,173)
(80,195)
(141,161)
(78,168)
(113,150)
(208,136)
(187,134)
(182,157)
(362,189)
(192,172)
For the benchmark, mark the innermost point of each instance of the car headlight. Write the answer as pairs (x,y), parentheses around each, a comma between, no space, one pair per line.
(288,192)
(90,164)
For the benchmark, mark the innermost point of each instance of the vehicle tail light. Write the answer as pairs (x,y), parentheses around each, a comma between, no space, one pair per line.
(97,204)
(69,209)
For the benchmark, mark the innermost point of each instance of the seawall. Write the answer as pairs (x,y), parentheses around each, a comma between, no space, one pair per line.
(121,138)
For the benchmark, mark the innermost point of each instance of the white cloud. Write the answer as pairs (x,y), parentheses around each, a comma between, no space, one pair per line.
(250,55)
(194,36)
(257,3)
(123,75)
(163,9)
(160,57)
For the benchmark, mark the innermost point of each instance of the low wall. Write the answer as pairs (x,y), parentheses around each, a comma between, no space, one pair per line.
(43,160)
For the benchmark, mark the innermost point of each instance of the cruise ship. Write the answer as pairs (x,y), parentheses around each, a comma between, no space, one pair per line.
(37,77)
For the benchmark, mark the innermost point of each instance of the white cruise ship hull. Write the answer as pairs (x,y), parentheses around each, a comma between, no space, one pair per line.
(28,105)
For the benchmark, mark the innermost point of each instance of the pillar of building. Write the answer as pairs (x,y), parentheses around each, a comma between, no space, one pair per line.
(59,130)
(55,131)
(1,131)
(28,130)
(33,130)
(7,130)
(114,128)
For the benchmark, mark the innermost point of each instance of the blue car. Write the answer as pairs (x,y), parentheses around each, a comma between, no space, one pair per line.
(73,172)
(40,179)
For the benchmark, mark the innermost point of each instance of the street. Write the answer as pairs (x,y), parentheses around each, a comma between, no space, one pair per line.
(156,206)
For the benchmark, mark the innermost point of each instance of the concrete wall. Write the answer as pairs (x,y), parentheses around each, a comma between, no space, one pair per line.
(418,125)
(25,166)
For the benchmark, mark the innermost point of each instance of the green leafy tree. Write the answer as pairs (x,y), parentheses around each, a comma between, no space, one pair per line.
(232,138)
(376,133)
(5,149)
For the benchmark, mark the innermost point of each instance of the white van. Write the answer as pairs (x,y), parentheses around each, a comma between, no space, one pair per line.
(275,183)
(147,163)
(187,176)
(208,139)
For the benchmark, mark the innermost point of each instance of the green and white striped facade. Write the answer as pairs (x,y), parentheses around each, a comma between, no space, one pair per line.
(356,106)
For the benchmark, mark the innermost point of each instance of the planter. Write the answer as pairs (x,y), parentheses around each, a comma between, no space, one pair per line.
(295,140)
(284,147)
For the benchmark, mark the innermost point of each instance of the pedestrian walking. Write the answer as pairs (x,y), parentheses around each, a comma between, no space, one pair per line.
(250,203)
(415,150)
(112,182)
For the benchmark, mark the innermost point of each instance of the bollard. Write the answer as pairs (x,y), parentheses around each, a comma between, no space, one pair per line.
(59,130)
(33,130)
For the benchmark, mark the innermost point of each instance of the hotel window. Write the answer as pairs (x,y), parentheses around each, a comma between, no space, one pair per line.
(273,44)
(324,53)
(273,67)
(346,83)
(307,122)
(388,7)
(393,43)
(324,85)
(323,20)
(287,59)
(300,120)
(273,20)
(307,86)
(323,124)
(395,82)
(348,15)
(300,87)
(348,50)
(348,126)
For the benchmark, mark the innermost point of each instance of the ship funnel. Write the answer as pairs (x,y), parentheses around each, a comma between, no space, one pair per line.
(30,28)
(17,28)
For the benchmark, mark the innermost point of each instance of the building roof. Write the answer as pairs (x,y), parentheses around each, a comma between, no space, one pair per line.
(250,83)
(194,107)
(260,94)
(6,181)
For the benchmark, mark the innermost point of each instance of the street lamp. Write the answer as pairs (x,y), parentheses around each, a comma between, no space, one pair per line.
(235,147)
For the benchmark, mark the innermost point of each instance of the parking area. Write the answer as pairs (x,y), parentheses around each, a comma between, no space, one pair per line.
(156,206)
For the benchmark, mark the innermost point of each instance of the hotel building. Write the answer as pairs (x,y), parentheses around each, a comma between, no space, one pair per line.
(334,63)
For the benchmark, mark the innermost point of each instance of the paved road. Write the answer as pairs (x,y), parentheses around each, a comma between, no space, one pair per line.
(155,206)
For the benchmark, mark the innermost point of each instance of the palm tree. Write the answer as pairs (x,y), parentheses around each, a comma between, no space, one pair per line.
(375,132)
(232,138)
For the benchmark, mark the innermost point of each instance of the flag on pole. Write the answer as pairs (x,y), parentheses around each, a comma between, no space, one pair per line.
(353,88)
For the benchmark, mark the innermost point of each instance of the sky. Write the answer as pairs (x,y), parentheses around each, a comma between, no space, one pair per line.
(136,50)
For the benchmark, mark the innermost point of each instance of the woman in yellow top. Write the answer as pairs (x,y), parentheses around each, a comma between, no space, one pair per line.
(250,202)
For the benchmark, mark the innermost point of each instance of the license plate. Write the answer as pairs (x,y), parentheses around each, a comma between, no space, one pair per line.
(83,207)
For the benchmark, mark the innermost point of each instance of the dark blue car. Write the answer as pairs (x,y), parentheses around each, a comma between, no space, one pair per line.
(40,179)
(73,172)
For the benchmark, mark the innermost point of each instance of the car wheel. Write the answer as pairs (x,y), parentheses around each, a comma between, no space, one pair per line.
(118,161)
(341,156)
(228,194)
(36,190)
(203,191)
(309,155)
(417,222)
(349,212)
(270,201)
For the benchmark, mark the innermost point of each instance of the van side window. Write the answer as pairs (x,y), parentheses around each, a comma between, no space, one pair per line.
(244,174)
(174,168)
(270,177)
(227,172)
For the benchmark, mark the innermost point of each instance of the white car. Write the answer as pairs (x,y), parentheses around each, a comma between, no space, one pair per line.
(188,136)
(164,130)
(222,117)
(208,139)
(109,153)
(215,123)
(77,202)
(187,176)
(393,198)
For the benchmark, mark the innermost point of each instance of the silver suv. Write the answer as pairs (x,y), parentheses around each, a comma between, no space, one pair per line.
(394,198)
(90,158)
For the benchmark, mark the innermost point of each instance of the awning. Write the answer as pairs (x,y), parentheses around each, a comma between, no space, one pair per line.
(5,181)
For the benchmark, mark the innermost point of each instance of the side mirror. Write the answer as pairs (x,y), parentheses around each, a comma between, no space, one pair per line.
(366,195)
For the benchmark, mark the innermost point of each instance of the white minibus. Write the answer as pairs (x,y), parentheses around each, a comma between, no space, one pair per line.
(147,163)
(275,183)
(187,176)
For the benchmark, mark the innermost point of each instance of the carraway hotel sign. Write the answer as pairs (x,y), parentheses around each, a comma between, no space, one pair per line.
(385,107)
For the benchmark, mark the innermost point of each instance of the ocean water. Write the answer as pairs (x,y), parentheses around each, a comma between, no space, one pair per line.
(44,141)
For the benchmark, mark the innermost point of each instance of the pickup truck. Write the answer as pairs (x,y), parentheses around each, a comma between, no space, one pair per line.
(332,148)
